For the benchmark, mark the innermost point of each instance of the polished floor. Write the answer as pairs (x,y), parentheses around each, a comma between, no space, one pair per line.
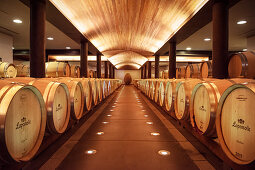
(128,134)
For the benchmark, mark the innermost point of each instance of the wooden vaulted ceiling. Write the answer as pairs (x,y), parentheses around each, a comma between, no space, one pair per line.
(127,31)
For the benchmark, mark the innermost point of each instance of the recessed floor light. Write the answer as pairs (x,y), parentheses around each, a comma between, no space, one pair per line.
(241,22)
(111,110)
(207,39)
(145,115)
(100,133)
(109,115)
(90,152)
(164,152)
(155,134)
(50,38)
(244,49)
(149,123)
(105,122)
(143,110)
(17,21)
(188,48)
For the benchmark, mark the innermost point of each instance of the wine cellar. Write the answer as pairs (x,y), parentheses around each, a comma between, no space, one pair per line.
(127,84)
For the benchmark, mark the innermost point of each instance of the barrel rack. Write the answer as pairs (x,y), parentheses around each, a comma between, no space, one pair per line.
(52,142)
(208,142)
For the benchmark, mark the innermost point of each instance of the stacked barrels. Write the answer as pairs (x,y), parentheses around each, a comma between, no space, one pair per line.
(216,108)
(37,106)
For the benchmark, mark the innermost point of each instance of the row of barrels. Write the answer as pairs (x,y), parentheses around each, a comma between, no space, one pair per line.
(240,65)
(52,69)
(216,108)
(30,107)
(199,70)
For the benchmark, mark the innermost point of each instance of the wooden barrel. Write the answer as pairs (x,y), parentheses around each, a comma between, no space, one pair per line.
(23,121)
(57,69)
(204,103)
(170,93)
(23,70)
(87,91)
(127,78)
(235,123)
(178,73)
(206,69)
(182,72)
(192,71)
(99,89)
(94,91)
(76,92)
(152,89)
(183,96)
(104,88)
(242,65)
(156,94)
(147,87)
(7,70)
(75,71)
(57,99)
(161,92)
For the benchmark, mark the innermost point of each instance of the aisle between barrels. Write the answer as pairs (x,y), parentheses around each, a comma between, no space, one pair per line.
(129,135)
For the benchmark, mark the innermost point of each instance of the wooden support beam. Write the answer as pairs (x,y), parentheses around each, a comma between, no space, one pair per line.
(172,60)
(145,70)
(98,65)
(110,70)
(84,59)
(106,69)
(156,66)
(113,72)
(142,72)
(220,39)
(149,69)
(37,38)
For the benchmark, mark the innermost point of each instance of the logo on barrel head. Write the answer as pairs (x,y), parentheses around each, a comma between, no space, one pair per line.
(239,124)
(23,97)
(202,108)
(241,97)
(23,122)
(59,107)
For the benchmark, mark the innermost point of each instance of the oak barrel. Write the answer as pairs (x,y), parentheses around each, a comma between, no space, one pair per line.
(87,91)
(170,93)
(204,103)
(23,121)
(235,122)
(127,79)
(57,99)
(7,70)
(57,69)
(152,88)
(23,70)
(99,89)
(94,91)
(192,71)
(77,97)
(183,96)
(206,69)
(242,65)
(75,71)
(157,86)
(161,91)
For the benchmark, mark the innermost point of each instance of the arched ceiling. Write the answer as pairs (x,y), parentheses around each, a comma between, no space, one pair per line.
(127,31)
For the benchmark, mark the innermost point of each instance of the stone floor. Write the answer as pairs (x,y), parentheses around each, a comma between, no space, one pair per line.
(127,133)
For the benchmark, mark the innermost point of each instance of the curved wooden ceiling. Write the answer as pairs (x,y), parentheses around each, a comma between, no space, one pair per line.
(119,28)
